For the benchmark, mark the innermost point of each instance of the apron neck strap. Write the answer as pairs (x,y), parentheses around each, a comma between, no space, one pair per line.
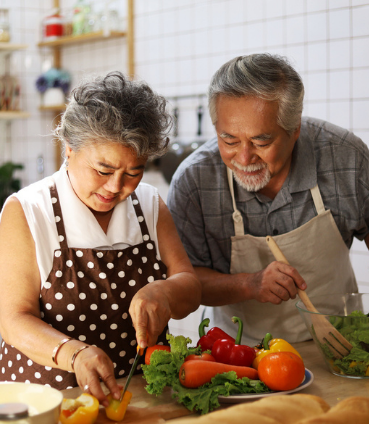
(317,199)
(237,217)
(62,236)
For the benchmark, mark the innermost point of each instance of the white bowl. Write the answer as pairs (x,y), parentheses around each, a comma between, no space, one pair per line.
(44,403)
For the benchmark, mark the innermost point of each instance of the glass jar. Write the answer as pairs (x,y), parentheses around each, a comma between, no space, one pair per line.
(14,413)
(4,25)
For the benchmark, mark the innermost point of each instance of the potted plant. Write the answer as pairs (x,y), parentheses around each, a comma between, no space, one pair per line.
(8,184)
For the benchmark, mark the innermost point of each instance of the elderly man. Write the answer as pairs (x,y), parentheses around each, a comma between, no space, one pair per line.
(269,171)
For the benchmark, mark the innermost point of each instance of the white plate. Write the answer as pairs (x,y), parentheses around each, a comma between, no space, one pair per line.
(242,397)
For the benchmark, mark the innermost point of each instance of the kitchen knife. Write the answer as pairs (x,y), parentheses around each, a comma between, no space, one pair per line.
(140,352)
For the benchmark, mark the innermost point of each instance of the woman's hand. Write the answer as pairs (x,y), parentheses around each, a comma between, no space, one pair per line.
(91,366)
(150,312)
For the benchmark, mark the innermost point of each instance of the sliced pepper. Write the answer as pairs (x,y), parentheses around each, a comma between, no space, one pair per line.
(116,410)
(206,341)
(83,410)
(271,345)
(232,352)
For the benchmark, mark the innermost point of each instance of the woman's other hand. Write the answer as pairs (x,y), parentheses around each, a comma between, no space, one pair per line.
(92,366)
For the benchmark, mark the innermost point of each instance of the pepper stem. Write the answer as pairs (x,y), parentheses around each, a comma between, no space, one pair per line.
(238,321)
(204,323)
(268,337)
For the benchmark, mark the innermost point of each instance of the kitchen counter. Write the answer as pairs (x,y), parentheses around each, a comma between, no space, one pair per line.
(158,409)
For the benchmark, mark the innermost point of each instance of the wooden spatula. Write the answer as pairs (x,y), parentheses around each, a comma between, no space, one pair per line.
(325,332)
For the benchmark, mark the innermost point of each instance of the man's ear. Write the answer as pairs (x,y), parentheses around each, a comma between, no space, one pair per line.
(296,134)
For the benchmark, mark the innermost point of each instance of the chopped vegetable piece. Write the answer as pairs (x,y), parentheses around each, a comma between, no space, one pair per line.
(83,410)
(117,409)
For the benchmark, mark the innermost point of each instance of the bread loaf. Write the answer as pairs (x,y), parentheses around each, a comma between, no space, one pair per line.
(354,409)
(277,409)
(289,409)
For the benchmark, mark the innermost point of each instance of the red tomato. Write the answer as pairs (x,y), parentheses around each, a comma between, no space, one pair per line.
(281,371)
(203,357)
(151,349)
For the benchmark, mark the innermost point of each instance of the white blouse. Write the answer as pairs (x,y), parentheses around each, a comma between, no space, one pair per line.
(81,226)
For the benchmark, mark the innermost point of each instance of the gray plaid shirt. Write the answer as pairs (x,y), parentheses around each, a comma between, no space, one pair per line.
(201,204)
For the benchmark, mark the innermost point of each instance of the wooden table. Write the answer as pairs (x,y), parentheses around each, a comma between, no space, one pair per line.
(158,409)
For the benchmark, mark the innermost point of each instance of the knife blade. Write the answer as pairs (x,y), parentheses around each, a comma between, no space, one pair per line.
(140,352)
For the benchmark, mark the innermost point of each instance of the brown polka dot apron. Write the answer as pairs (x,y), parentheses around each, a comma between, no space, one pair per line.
(86,296)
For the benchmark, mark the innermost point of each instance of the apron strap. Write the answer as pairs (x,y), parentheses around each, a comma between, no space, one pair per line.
(317,199)
(140,217)
(62,236)
(237,217)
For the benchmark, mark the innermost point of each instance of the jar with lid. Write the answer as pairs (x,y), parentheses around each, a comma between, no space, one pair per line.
(4,26)
(53,27)
(14,413)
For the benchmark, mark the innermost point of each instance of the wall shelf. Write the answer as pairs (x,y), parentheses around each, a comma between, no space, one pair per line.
(54,108)
(10,47)
(84,38)
(13,114)
(58,44)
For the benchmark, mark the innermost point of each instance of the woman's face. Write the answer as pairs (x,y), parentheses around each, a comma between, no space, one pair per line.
(104,174)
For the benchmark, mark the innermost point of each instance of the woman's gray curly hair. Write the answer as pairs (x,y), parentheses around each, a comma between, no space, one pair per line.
(116,109)
(266,76)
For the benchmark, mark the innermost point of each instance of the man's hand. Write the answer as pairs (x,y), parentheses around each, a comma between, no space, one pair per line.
(276,283)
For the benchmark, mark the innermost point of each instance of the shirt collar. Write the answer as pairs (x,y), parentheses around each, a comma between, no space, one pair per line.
(81,226)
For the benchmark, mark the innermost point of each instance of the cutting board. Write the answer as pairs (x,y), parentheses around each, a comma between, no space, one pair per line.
(155,415)
(144,408)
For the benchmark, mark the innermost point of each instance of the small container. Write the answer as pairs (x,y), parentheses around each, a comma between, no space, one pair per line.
(53,27)
(4,26)
(349,314)
(14,413)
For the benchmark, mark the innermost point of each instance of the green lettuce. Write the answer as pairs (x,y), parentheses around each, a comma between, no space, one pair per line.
(164,371)
(355,328)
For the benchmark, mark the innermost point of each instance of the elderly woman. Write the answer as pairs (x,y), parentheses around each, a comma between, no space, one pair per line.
(90,259)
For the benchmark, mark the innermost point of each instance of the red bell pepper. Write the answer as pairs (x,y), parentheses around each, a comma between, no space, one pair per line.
(206,341)
(232,352)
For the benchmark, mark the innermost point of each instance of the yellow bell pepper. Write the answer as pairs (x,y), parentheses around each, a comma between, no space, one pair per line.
(116,409)
(271,345)
(83,410)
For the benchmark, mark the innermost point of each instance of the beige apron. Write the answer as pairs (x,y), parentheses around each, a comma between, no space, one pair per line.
(316,250)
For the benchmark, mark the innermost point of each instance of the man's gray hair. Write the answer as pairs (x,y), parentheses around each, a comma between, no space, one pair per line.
(266,76)
(115,109)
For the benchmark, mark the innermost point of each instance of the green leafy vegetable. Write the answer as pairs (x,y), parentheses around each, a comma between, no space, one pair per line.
(355,328)
(164,371)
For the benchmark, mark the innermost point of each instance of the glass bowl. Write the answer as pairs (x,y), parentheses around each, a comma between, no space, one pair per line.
(349,314)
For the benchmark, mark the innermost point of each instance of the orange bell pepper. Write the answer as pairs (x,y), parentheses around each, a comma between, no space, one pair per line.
(83,410)
(116,409)
(272,345)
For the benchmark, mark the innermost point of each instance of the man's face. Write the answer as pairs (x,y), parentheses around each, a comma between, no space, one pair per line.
(252,144)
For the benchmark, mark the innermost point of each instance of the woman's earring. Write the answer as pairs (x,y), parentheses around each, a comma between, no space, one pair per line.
(66,162)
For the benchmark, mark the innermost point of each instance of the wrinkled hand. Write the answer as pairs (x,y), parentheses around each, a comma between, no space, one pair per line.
(150,313)
(90,366)
(276,283)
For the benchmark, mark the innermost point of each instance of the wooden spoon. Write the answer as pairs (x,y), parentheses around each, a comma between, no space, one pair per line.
(325,332)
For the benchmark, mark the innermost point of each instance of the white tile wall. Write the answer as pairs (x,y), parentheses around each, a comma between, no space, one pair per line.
(179,45)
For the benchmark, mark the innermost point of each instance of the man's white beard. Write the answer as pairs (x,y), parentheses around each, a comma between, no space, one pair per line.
(252,182)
